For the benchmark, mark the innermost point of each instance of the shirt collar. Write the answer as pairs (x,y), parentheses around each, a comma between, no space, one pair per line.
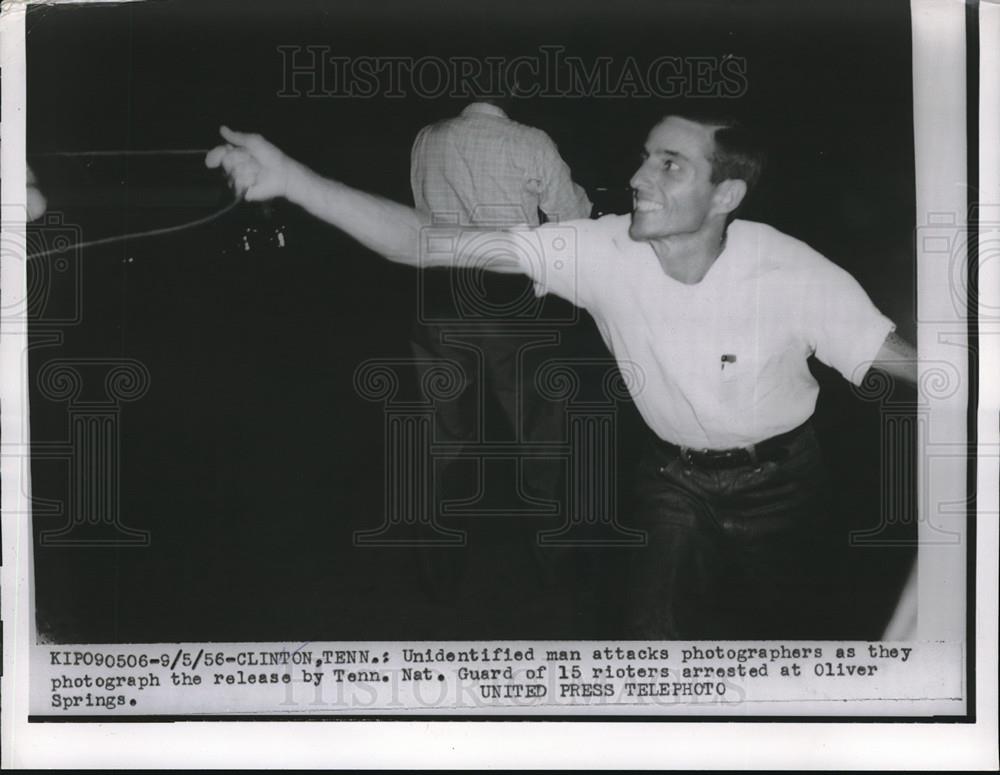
(484,108)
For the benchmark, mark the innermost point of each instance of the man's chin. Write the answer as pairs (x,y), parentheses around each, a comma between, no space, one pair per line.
(637,230)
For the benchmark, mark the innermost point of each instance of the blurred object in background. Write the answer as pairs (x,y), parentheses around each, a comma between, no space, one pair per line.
(35,200)
(611,200)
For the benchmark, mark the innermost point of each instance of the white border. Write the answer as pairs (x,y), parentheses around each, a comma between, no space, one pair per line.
(940,151)
(667,744)
(988,525)
(16,604)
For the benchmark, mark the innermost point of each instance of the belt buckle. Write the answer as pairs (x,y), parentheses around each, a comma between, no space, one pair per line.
(730,458)
(733,457)
(740,456)
(720,458)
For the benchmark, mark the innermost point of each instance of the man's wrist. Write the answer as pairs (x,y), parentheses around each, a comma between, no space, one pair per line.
(296,183)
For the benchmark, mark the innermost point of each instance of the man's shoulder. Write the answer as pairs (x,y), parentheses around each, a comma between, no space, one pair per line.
(482,125)
(762,233)
(604,238)
(776,249)
(532,133)
(586,261)
(442,125)
(613,228)
(528,136)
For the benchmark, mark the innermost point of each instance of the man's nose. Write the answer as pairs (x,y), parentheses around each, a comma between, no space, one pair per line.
(639,177)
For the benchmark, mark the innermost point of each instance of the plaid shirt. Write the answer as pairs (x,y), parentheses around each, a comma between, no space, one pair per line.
(484,168)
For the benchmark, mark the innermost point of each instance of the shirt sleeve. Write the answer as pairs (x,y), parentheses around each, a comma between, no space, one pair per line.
(571,260)
(559,197)
(846,329)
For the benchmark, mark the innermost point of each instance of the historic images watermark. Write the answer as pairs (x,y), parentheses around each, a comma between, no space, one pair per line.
(53,294)
(93,387)
(318,71)
(953,241)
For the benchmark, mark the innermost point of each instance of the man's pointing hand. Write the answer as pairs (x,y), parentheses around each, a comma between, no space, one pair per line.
(257,170)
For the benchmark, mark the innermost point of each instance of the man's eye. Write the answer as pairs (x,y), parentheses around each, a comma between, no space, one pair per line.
(669,164)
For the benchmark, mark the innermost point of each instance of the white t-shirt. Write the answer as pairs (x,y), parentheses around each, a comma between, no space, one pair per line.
(721,363)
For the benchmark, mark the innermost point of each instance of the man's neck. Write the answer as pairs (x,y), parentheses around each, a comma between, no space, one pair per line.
(688,257)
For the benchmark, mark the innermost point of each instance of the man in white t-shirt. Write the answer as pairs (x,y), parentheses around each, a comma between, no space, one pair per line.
(714,318)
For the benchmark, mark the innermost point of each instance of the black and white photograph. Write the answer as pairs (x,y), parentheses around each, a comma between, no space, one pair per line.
(385,361)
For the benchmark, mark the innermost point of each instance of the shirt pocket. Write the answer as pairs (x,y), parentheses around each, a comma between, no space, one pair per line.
(736,363)
(734,342)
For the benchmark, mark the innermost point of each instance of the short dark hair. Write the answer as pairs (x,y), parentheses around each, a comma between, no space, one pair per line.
(739,152)
(738,155)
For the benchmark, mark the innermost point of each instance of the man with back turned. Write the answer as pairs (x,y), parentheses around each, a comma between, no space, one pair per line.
(482,169)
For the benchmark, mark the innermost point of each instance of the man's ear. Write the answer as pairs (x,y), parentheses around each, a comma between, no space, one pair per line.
(729,194)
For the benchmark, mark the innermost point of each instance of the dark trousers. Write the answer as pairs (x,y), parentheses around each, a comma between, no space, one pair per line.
(738,553)
(501,366)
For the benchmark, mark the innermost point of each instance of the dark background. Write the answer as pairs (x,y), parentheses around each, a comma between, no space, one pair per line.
(251,460)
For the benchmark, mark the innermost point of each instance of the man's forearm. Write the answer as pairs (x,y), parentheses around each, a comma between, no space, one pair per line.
(259,171)
(386,227)
(898,358)
(391,229)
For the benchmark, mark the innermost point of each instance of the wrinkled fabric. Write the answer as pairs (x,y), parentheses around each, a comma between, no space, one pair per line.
(734,554)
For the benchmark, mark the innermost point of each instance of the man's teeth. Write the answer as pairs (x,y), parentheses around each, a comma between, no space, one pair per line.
(644,206)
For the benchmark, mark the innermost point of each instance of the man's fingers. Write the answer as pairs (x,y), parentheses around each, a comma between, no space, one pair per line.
(233,137)
(235,159)
(244,158)
(240,166)
(244,177)
(214,157)
(254,194)
(254,143)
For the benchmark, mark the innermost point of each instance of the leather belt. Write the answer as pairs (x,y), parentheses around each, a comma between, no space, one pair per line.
(773,449)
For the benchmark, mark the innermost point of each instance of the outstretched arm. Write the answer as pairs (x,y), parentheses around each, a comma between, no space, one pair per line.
(258,170)
(897,358)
